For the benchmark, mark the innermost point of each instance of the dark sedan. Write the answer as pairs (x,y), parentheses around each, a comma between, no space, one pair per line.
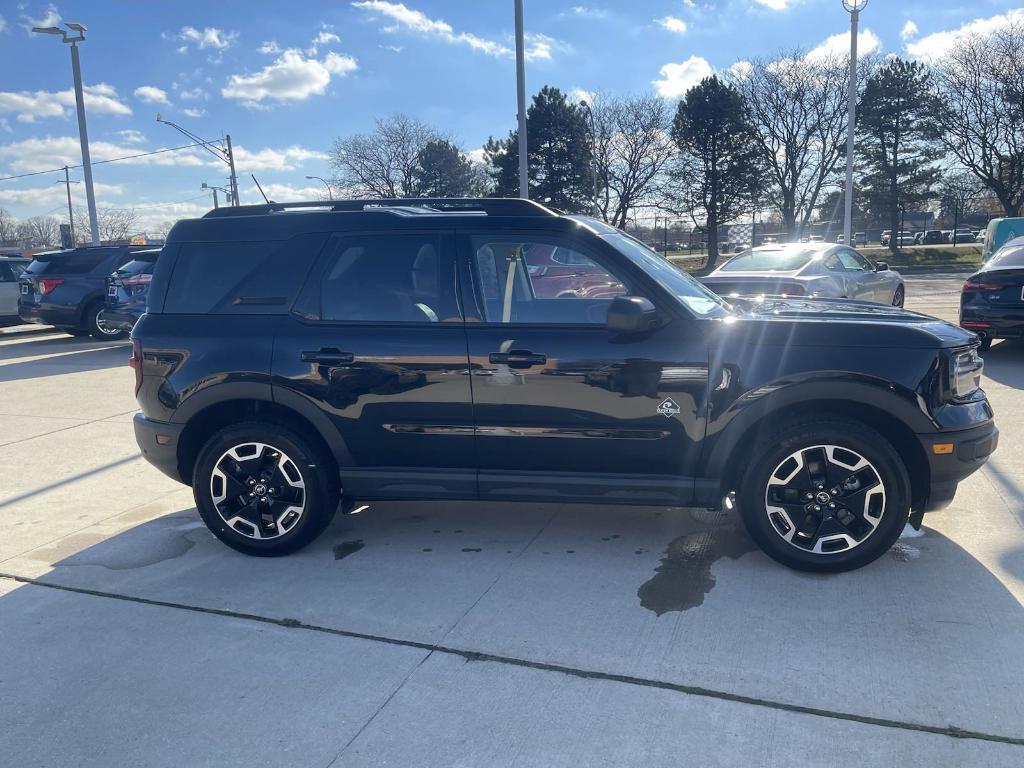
(127,290)
(992,299)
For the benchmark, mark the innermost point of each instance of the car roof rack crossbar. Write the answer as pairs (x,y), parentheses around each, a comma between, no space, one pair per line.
(492,206)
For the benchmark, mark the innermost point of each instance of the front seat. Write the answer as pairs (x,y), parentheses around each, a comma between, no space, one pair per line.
(425,281)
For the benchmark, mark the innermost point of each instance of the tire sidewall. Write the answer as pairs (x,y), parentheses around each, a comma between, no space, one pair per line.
(865,441)
(318,487)
(92,324)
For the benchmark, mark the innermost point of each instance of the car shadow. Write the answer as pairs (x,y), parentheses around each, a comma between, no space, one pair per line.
(1004,362)
(53,357)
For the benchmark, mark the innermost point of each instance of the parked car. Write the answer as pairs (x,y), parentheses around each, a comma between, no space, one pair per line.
(67,289)
(127,289)
(807,269)
(904,238)
(999,232)
(992,299)
(962,236)
(884,239)
(859,238)
(11,268)
(398,349)
(931,237)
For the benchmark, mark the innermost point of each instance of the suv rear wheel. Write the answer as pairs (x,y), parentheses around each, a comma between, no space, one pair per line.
(263,489)
(96,326)
(826,495)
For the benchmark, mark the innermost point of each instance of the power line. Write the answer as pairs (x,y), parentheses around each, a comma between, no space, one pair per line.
(101,162)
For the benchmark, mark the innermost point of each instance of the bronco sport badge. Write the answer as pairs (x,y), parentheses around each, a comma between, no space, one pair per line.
(668,408)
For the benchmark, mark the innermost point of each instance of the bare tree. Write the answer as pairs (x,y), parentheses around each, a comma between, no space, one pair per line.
(632,147)
(980,109)
(385,162)
(798,105)
(40,231)
(114,224)
(8,227)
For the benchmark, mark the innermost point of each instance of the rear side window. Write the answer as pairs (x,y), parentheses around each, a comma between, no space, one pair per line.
(71,264)
(138,267)
(240,278)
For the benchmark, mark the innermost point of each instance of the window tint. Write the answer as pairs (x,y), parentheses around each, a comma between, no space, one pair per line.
(388,278)
(832,263)
(778,259)
(239,278)
(75,263)
(138,267)
(853,261)
(7,274)
(549,281)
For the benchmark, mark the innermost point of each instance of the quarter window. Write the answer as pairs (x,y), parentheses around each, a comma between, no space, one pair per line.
(541,280)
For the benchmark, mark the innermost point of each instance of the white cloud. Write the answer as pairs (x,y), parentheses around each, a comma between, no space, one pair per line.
(838,46)
(291,77)
(476,155)
(3,23)
(777,5)
(588,12)
(576,95)
(51,18)
(268,159)
(741,70)
(933,47)
(270,47)
(208,37)
(131,136)
(672,24)
(325,37)
(283,193)
(27,106)
(677,79)
(909,30)
(195,94)
(52,195)
(193,112)
(151,94)
(401,17)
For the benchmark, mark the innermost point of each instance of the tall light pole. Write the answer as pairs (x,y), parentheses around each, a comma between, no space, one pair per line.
(71,216)
(226,155)
(593,151)
(321,178)
(524,175)
(214,189)
(854,7)
(83,134)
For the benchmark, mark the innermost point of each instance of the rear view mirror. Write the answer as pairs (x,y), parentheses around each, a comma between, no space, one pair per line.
(881,266)
(632,314)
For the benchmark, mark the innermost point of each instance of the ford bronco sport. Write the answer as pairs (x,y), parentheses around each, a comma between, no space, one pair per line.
(295,358)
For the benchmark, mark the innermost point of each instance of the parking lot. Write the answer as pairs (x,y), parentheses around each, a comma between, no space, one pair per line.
(452,633)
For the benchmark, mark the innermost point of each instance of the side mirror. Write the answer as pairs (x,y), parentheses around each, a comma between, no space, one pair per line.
(881,266)
(632,314)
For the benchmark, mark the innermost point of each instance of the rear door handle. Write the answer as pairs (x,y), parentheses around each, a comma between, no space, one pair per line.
(517,358)
(328,356)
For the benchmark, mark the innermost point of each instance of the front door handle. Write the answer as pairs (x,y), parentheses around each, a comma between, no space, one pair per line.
(517,358)
(328,356)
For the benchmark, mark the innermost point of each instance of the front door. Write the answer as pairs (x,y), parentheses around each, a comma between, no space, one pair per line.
(563,407)
(376,346)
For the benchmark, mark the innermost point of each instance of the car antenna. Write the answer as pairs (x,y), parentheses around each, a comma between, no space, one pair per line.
(260,189)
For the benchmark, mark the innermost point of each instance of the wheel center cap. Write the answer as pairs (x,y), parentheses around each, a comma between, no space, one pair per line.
(823,497)
(260,489)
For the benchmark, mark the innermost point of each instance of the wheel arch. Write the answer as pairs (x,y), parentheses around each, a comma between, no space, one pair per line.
(730,456)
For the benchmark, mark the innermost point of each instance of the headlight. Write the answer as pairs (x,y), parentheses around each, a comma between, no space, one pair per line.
(965,373)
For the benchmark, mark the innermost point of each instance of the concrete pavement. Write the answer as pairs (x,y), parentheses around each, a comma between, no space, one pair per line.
(448,633)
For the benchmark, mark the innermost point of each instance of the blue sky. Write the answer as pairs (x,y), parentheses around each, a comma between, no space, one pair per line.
(286,79)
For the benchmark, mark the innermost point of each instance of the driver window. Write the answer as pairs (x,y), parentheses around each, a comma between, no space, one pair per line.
(541,280)
(853,261)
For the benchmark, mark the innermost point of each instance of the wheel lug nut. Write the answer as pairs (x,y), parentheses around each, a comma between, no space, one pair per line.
(808,495)
(832,505)
(821,487)
(817,508)
(264,499)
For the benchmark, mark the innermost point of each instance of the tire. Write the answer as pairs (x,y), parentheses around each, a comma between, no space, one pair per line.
(241,457)
(839,540)
(899,296)
(94,324)
(986,344)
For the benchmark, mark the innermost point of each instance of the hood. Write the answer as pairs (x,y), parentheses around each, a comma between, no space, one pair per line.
(842,322)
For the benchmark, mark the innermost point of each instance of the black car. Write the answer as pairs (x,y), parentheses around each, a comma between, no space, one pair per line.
(931,237)
(992,299)
(127,290)
(67,289)
(294,356)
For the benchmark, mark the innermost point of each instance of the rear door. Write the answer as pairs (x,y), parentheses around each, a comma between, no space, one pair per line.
(375,348)
(563,407)
(8,289)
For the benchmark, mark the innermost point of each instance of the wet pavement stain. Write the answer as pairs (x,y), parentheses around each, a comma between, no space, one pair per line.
(472,549)
(904,553)
(684,576)
(347,548)
(126,553)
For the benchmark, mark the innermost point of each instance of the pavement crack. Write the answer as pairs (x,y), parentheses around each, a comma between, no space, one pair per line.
(950,731)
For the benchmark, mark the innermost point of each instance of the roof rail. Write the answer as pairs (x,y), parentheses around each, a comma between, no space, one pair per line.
(492,206)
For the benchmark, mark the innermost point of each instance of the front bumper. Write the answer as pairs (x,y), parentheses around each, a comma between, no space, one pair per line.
(158,442)
(971,449)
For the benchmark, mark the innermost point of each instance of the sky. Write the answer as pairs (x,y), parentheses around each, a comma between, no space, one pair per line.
(286,79)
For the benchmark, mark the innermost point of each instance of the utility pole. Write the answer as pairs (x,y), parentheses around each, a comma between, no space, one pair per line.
(234,178)
(71,215)
(854,7)
(225,155)
(524,174)
(593,160)
(83,134)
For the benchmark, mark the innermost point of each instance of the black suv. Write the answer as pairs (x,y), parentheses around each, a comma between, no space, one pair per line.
(296,356)
(67,289)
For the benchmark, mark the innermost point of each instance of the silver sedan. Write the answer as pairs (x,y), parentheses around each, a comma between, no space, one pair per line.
(807,269)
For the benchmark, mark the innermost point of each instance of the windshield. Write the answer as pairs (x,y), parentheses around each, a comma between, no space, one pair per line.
(770,260)
(1008,257)
(695,296)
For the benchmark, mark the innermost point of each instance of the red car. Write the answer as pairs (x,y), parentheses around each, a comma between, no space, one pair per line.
(560,272)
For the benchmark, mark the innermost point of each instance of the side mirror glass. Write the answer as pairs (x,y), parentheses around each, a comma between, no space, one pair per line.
(881,266)
(632,314)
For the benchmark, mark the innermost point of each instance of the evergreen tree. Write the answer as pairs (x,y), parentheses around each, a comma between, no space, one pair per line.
(560,156)
(720,166)
(897,153)
(443,171)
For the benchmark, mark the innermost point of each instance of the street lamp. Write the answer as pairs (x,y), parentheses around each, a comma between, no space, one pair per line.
(853,7)
(593,151)
(524,173)
(221,153)
(227,193)
(321,178)
(83,134)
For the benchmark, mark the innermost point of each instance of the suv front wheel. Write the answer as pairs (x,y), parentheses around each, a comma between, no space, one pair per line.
(825,495)
(263,489)
(97,327)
